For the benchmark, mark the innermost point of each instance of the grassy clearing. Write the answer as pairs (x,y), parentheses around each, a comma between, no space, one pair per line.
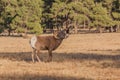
(80,57)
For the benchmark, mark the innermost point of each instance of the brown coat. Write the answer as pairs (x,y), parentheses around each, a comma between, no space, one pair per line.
(47,43)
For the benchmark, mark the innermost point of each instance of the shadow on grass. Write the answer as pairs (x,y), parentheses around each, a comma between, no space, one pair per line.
(28,76)
(61,57)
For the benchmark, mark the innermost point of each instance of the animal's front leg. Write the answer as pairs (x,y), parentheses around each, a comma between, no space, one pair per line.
(50,55)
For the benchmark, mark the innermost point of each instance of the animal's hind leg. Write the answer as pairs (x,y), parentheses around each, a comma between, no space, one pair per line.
(33,55)
(37,52)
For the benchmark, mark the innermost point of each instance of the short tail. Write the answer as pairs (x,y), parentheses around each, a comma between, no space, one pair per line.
(33,41)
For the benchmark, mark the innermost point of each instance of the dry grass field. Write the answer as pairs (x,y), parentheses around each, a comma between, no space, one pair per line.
(79,57)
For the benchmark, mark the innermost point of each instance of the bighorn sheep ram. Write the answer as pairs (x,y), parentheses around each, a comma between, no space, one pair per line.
(49,43)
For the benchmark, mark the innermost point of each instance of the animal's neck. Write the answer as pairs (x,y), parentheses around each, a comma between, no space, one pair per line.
(58,42)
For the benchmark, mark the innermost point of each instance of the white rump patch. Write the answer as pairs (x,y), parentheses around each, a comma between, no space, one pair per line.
(33,41)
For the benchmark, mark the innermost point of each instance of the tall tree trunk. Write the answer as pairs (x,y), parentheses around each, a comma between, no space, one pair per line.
(84,24)
(111,29)
(118,28)
(75,23)
(75,27)
(9,32)
(101,30)
(24,35)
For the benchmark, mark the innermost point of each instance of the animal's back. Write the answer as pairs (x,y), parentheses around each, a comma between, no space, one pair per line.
(42,42)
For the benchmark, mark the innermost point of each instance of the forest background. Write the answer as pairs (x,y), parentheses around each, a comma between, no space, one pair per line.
(35,16)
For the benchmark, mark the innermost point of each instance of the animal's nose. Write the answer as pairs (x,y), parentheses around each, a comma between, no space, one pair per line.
(66,36)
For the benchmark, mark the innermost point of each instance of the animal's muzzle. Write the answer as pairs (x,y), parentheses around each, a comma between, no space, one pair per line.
(66,36)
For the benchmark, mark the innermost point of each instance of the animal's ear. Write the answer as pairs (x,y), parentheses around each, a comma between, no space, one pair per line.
(55,31)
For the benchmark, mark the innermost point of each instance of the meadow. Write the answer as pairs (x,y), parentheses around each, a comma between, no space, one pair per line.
(79,57)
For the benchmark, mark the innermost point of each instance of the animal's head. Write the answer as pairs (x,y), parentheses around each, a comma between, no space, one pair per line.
(60,34)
